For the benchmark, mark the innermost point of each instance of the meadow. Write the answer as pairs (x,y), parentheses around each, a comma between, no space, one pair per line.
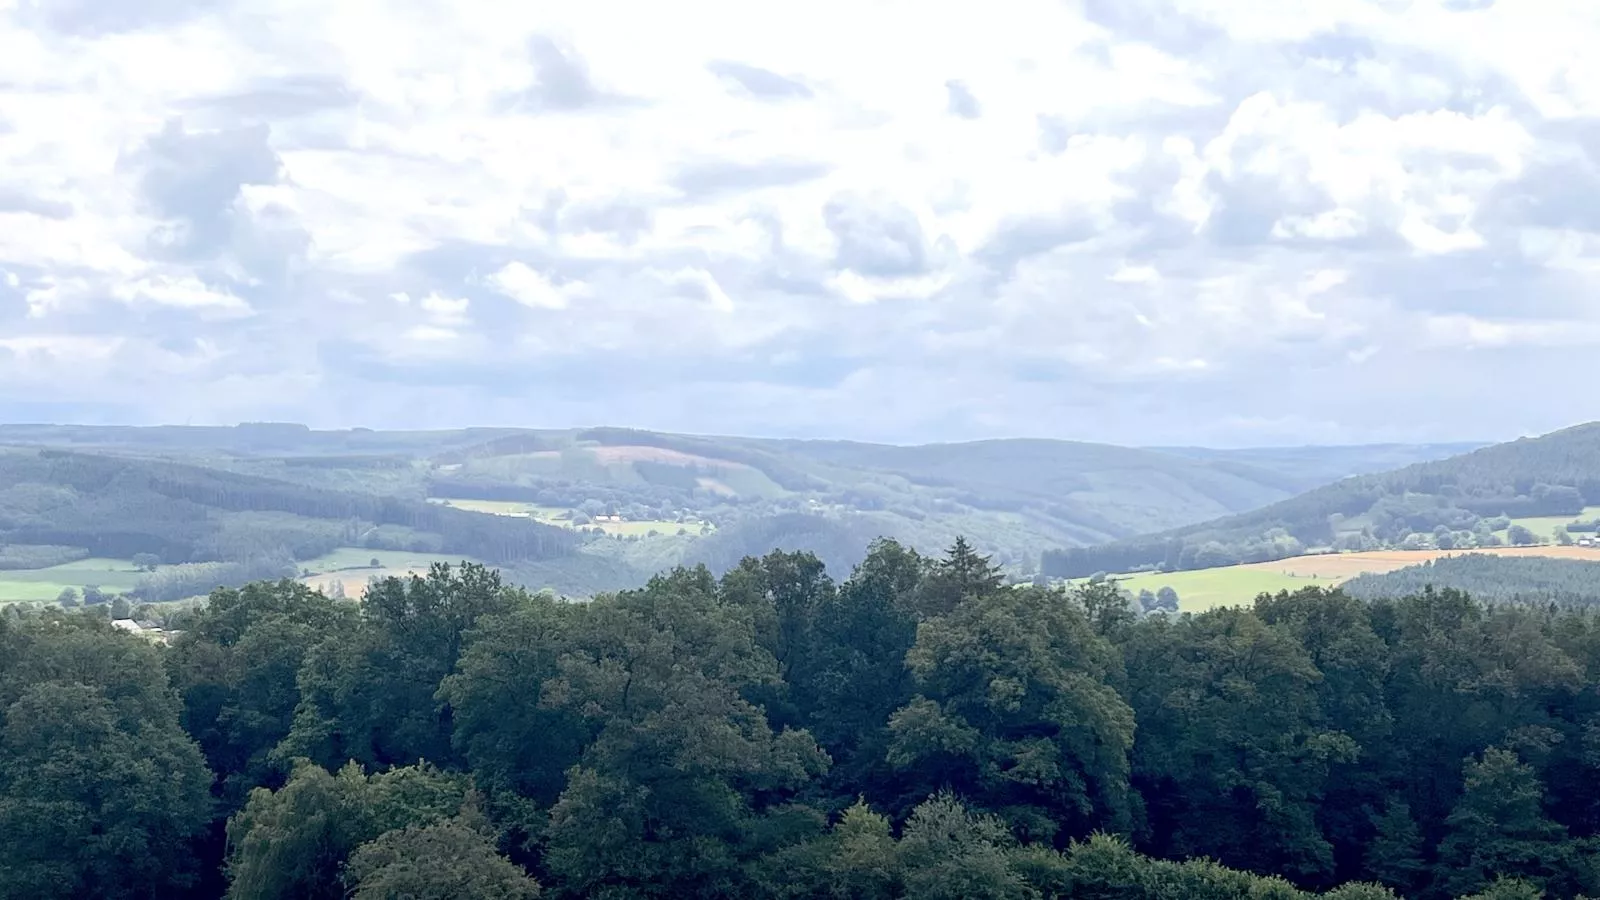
(110,575)
(551,515)
(1203,589)
(352,567)
(1543,527)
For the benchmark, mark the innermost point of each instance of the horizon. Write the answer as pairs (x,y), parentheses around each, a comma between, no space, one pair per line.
(348,429)
(1347,225)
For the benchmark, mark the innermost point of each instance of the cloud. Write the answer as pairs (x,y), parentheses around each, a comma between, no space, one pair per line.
(532,289)
(561,80)
(1138,221)
(708,179)
(961,103)
(758,83)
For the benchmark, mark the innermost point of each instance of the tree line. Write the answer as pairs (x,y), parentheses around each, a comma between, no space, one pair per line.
(920,730)
(1488,577)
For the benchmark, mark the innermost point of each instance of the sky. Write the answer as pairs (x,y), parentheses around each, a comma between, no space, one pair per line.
(1209,222)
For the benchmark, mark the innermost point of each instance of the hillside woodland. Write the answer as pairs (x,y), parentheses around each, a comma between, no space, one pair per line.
(916,730)
(227,505)
(1451,503)
(57,506)
(1506,579)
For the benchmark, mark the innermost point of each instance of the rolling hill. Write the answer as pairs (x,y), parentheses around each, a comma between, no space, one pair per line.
(1461,501)
(627,502)
(57,506)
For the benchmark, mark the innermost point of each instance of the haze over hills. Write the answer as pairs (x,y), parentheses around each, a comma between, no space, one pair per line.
(1459,502)
(615,504)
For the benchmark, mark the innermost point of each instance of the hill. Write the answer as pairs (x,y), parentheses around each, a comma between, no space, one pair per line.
(59,506)
(634,502)
(1464,501)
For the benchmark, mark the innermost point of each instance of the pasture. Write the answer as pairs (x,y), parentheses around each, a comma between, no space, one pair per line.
(110,575)
(551,515)
(352,566)
(1543,527)
(1203,589)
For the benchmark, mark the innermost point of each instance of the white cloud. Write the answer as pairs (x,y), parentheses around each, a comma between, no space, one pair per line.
(1056,217)
(532,289)
(185,292)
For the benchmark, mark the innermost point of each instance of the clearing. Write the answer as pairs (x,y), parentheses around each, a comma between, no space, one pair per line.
(110,575)
(562,518)
(352,566)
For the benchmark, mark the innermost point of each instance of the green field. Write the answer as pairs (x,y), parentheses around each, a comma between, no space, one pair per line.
(1543,527)
(552,515)
(110,575)
(1203,589)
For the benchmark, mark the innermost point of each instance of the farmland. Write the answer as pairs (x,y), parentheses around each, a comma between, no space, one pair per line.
(1203,589)
(110,575)
(352,567)
(1544,526)
(551,515)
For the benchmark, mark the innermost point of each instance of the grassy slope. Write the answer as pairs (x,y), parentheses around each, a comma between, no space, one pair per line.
(1203,589)
(110,575)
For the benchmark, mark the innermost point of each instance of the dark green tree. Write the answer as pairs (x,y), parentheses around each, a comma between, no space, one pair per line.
(1499,828)
(294,842)
(235,665)
(370,694)
(1016,711)
(101,792)
(453,859)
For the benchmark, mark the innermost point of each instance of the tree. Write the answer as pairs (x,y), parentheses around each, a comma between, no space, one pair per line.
(1394,854)
(518,748)
(146,562)
(68,598)
(961,574)
(454,859)
(236,667)
(949,853)
(1520,536)
(101,792)
(374,563)
(684,775)
(1233,757)
(1167,599)
(1563,537)
(370,693)
(92,595)
(1014,710)
(295,841)
(121,608)
(1499,827)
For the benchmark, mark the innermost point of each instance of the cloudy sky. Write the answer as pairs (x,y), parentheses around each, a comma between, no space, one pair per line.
(1226,222)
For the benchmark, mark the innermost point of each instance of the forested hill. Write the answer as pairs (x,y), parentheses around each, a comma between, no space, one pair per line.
(1014,498)
(64,503)
(1446,503)
(1491,577)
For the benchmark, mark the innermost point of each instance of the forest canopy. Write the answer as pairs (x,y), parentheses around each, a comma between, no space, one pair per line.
(920,729)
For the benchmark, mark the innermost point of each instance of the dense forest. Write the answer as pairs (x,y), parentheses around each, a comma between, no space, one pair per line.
(919,730)
(1448,504)
(1514,579)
